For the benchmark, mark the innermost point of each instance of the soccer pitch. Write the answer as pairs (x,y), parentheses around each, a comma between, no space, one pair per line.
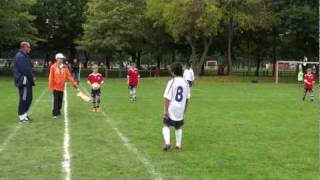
(232,131)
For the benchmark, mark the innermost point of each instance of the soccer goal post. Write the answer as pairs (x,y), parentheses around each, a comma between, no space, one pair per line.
(292,63)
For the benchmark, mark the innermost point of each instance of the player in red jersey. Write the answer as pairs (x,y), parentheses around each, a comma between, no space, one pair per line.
(308,85)
(95,80)
(133,81)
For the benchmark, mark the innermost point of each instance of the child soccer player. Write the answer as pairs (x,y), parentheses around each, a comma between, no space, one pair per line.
(308,85)
(188,75)
(133,81)
(300,77)
(94,79)
(176,97)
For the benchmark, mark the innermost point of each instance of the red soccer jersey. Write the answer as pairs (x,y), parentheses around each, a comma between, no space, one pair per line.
(95,78)
(308,81)
(133,76)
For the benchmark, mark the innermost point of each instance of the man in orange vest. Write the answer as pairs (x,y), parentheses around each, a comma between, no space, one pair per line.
(59,73)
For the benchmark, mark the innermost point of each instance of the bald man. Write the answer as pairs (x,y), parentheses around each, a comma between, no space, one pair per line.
(24,80)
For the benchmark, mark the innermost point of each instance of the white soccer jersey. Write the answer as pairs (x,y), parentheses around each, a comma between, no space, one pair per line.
(188,75)
(177,92)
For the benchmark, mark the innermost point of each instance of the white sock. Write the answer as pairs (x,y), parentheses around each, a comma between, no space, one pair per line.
(166,135)
(134,90)
(131,93)
(178,137)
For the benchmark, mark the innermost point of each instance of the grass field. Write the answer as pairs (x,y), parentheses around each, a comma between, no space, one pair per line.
(234,131)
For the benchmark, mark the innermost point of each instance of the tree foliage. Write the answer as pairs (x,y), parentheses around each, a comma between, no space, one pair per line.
(16,23)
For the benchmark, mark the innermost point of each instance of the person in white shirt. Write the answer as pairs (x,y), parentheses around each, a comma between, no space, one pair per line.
(188,75)
(176,97)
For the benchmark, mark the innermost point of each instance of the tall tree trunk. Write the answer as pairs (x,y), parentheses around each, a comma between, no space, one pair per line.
(173,57)
(108,62)
(258,65)
(274,52)
(1,50)
(86,56)
(134,57)
(230,36)
(72,53)
(47,57)
(158,61)
(138,63)
(194,59)
(206,43)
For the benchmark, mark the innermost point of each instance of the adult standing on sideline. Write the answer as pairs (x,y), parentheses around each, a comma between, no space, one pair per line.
(59,73)
(24,80)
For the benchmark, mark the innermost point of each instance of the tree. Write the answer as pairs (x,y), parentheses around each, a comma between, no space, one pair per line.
(59,23)
(242,15)
(294,32)
(16,23)
(114,26)
(195,22)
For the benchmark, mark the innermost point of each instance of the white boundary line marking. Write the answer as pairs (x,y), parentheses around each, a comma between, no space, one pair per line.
(151,169)
(156,175)
(66,163)
(18,127)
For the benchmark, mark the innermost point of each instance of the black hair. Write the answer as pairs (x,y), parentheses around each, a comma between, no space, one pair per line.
(176,69)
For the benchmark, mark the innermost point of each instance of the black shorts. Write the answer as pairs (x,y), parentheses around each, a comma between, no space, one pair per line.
(132,86)
(190,83)
(175,124)
(310,90)
(95,93)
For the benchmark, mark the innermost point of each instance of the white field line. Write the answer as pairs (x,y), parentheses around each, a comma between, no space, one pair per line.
(66,163)
(156,175)
(18,127)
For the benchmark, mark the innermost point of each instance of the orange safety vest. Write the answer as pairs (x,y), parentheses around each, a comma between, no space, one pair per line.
(58,76)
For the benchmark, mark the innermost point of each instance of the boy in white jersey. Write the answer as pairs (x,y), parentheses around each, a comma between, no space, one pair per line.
(176,97)
(188,74)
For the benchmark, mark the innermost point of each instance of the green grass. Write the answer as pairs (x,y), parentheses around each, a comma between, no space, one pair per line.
(233,130)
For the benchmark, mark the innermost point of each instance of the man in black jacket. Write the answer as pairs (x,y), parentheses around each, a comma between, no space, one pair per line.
(24,80)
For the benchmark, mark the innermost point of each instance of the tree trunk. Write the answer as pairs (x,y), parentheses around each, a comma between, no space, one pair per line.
(194,59)
(86,56)
(274,52)
(206,43)
(159,61)
(134,57)
(173,57)
(230,36)
(72,53)
(108,62)
(138,63)
(258,65)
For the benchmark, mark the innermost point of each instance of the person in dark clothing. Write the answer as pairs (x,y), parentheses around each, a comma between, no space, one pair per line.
(75,70)
(24,80)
